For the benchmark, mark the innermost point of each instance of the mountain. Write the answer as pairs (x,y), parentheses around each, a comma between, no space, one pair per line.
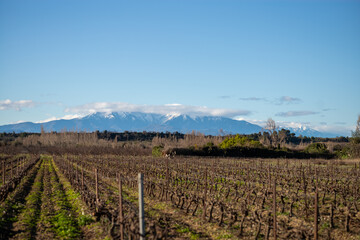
(309,132)
(138,122)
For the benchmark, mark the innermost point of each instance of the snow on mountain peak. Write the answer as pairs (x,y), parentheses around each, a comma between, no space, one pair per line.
(109,116)
(170,116)
(292,125)
(66,117)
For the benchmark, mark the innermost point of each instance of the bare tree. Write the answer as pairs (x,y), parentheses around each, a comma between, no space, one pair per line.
(271,128)
(270,125)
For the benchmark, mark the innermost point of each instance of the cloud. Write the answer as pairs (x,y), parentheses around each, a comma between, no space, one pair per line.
(277,101)
(328,109)
(66,117)
(295,113)
(224,97)
(261,123)
(322,127)
(16,105)
(279,124)
(335,129)
(287,100)
(253,99)
(175,108)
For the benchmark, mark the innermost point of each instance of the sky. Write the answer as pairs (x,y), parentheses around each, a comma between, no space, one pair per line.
(295,61)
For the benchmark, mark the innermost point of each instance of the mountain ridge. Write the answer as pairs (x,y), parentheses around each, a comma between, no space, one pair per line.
(138,122)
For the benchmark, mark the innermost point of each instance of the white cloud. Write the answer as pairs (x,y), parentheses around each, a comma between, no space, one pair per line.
(225,97)
(295,113)
(173,104)
(277,101)
(284,124)
(20,121)
(280,124)
(287,100)
(66,117)
(261,123)
(341,130)
(253,99)
(174,108)
(321,127)
(16,105)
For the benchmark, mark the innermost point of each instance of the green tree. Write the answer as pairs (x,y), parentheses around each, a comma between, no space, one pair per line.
(355,140)
(356,133)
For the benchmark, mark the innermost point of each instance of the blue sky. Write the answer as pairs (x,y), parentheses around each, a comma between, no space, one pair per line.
(297,62)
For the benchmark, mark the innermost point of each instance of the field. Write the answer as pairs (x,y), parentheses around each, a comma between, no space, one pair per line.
(78,197)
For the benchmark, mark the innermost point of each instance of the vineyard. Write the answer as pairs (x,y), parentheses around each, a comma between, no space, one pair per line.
(96,197)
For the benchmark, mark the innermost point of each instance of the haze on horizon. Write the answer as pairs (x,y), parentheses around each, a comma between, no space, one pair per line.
(294,61)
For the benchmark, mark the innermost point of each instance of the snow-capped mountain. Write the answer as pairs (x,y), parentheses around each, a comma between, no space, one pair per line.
(305,130)
(138,121)
(309,132)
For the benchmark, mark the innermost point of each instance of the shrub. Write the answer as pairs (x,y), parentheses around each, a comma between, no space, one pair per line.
(316,148)
(157,150)
(255,144)
(238,141)
(84,220)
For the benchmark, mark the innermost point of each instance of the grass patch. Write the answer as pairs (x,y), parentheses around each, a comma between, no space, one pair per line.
(225,236)
(84,220)
(64,222)
(65,226)
(185,229)
(82,216)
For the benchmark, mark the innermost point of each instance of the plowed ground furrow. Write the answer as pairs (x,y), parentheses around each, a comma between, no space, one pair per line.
(64,221)
(15,203)
(90,229)
(25,227)
(44,227)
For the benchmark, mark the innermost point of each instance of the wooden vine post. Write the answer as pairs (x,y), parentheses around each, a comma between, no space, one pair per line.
(316,216)
(205,194)
(4,172)
(11,169)
(76,173)
(305,193)
(167,179)
(274,209)
(121,214)
(96,187)
(141,207)
(82,177)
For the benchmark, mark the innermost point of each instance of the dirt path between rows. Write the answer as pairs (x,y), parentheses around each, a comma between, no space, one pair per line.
(25,227)
(15,204)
